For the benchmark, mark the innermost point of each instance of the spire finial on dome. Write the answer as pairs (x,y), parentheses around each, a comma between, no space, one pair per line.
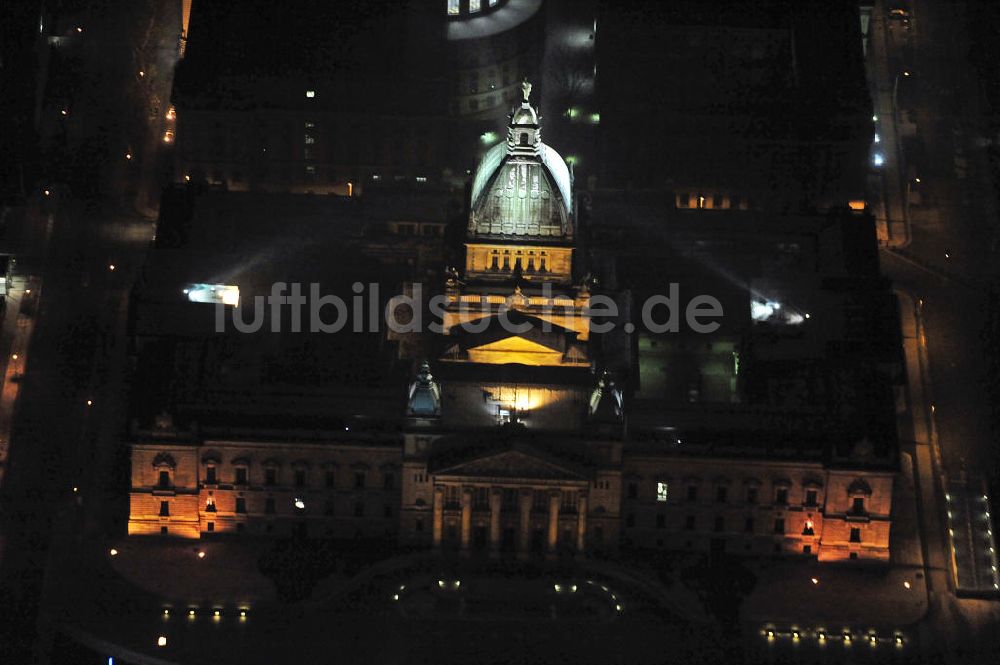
(526,90)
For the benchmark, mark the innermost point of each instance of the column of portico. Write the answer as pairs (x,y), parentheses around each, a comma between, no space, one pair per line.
(581,522)
(524,542)
(438,515)
(553,521)
(466,517)
(494,521)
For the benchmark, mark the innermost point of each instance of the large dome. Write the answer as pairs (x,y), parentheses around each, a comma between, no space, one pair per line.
(522,187)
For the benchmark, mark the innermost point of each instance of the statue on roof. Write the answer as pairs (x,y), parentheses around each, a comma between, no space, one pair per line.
(526,89)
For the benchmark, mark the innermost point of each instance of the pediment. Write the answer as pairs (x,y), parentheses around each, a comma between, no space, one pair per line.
(515,350)
(512,464)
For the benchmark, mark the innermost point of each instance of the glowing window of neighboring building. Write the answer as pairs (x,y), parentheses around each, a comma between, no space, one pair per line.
(474,6)
(493,3)
(452,7)
(807,528)
(310,94)
(226,294)
(661,491)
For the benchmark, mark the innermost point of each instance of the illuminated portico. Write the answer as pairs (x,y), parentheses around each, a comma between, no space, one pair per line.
(510,501)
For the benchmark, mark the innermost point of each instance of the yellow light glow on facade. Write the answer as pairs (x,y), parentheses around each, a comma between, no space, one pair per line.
(857,205)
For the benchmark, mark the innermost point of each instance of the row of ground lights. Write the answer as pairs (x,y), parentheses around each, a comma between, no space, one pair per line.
(216,612)
(192,614)
(822,636)
(572,588)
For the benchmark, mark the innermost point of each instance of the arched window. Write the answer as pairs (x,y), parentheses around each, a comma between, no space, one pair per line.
(524,139)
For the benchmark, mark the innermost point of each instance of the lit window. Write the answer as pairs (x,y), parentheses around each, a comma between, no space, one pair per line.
(452,7)
(310,94)
(661,491)
(474,6)
(493,3)
(807,528)
(226,294)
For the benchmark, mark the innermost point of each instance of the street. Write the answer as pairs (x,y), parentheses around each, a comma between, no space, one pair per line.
(940,252)
(66,466)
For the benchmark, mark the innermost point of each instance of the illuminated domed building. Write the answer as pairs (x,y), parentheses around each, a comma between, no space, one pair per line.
(525,428)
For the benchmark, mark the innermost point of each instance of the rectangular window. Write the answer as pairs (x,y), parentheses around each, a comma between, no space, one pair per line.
(328,508)
(748,525)
(211,527)
(241,475)
(418,526)
(474,6)
(855,535)
(359,480)
(781,496)
(269,505)
(721,493)
(359,509)
(270,476)
(810,497)
(779,525)
(164,479)
(720,524)
(633,490)
(661,521)
(751,495)
(164,509)
(389,481)
(387,511)
(241,505)
(210,478)
(300,477)
(692,494)
(858,506)
(453,7)
(689,523)
(661,491)
(330,478)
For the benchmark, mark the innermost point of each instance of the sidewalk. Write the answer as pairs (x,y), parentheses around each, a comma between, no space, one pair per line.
(891,211)
(15,336)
